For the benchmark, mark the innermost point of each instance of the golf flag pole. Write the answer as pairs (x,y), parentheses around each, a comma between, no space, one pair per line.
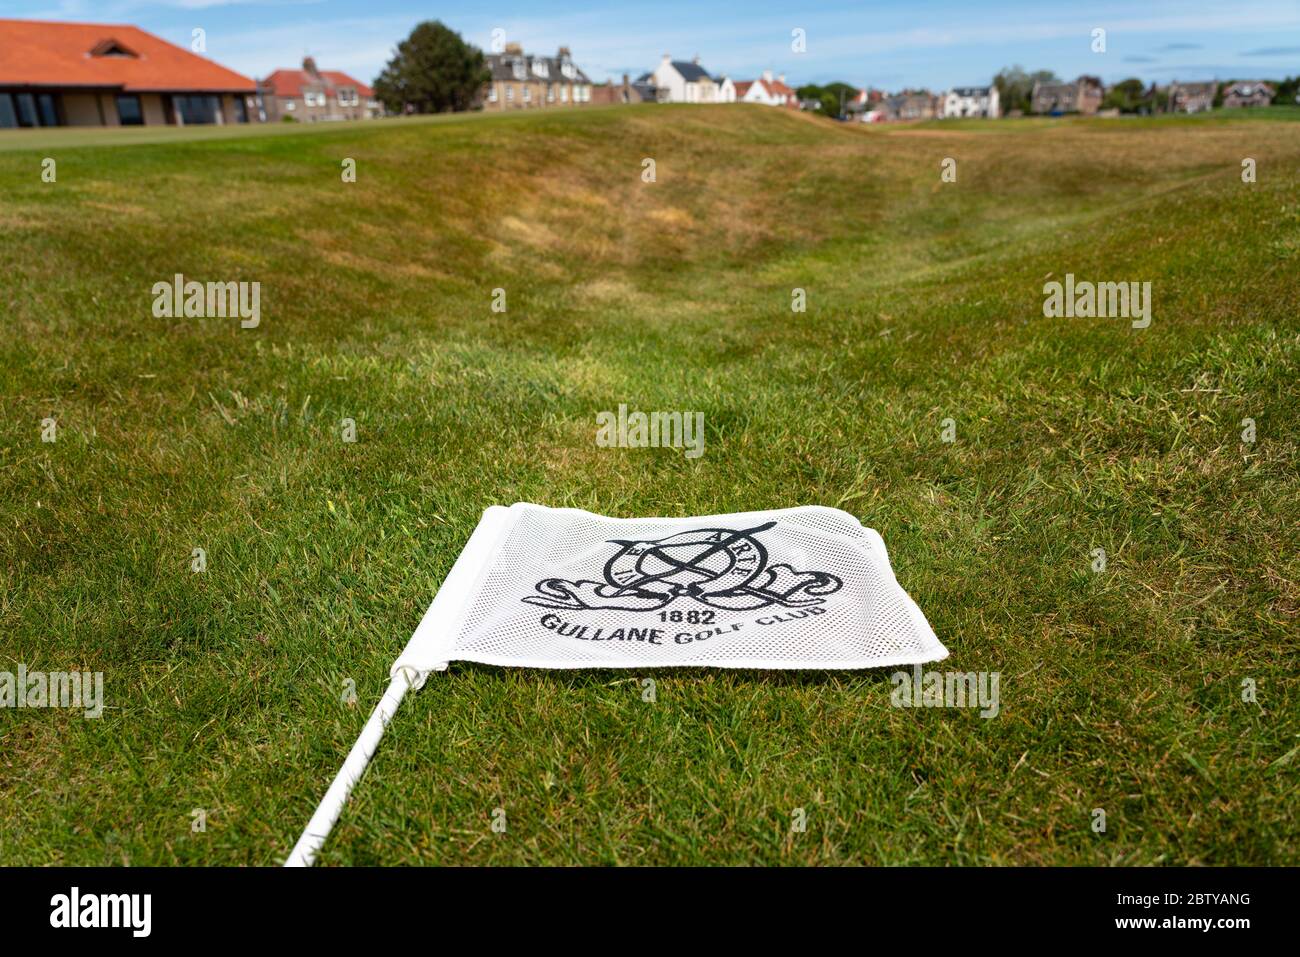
(434,635)
(331,805)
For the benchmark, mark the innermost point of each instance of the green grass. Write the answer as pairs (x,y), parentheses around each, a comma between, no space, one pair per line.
(1120,690)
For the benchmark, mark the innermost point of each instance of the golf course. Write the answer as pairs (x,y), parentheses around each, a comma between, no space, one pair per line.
(240,526)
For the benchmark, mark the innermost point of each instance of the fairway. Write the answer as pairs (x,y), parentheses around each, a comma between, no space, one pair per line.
(923,390)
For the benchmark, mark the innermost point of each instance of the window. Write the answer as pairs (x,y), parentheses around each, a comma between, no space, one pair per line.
(29,109)
(128,110)
(528,93)
(48,109)
(26,109)
(241,110)
(313,97)
(290,105)
(113,48)
(492,93)
(550,93)
(348,97)
(564,94)
(510,92)
(197,109)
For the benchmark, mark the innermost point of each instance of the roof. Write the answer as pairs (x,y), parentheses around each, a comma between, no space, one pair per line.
(972,91)
(1249,88)
(501,66)
(691,71)
(291,82)
(773,88)
(1195,89)
(117,56)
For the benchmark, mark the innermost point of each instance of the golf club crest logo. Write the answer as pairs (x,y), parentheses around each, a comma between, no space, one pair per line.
(719,567)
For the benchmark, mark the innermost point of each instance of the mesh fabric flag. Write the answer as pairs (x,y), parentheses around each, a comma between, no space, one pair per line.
(560,588)
(537,587)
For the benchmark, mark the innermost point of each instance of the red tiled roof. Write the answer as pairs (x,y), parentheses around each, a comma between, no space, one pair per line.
(42,53)
(742,87)
(291,82)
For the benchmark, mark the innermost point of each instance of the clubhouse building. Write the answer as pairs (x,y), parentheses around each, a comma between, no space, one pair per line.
(87,74)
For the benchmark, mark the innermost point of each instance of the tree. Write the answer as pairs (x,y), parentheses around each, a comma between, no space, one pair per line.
(833,97)
(1016,87)
(1127,96)
(432,71)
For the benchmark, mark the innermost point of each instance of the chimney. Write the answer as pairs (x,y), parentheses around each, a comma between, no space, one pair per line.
(696,59)
(309,67)
(781,79)
(564,53)
(515,49)
(767,76)
(668,57)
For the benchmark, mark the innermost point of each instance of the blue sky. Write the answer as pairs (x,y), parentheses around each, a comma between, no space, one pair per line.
(934,43)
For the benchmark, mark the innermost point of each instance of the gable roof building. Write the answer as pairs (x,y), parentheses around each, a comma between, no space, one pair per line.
(1247,93)
(910,105)
(769,90)
(1084,95)
(971,101)
(92,74)
(519,80)
(1191,97)
(685,81)
(625,92)
(311,95)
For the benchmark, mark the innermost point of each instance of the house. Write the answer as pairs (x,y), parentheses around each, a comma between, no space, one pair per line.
(768,90)
(310,95)
(519,81)
(862,103)
(684,82)
(1191,97)
(625,92)
(864,100)
(1084,95)
(726,89)
(971,101)
(92,74)
(1247,93)
(909,105)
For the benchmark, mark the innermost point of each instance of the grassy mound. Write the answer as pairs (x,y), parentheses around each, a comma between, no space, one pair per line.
(225,690)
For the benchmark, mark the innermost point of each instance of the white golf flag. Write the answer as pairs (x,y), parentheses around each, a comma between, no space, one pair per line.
(543,587)
(538,587)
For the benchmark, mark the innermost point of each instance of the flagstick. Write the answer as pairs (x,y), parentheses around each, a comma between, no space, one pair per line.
(331,805)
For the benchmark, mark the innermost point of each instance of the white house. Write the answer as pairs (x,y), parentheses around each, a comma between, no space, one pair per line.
(971,101)
(768,90)
(687,82)
(726,90)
